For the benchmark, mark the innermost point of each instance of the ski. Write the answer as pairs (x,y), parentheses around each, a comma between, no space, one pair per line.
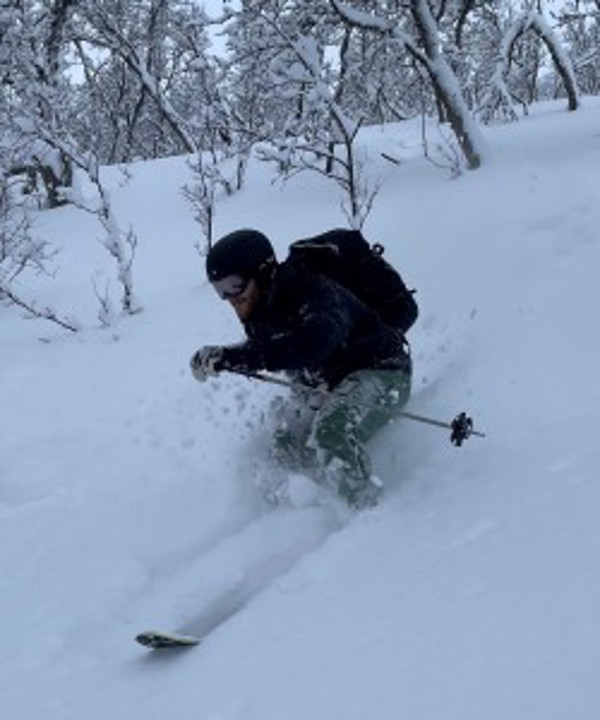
(160,640)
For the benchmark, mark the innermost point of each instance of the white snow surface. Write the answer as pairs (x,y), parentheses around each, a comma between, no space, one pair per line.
(130,495)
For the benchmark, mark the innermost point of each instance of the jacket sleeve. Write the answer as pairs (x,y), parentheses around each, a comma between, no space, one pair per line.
(316,329)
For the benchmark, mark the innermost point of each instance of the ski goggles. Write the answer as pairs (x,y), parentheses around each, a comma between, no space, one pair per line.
(231,287)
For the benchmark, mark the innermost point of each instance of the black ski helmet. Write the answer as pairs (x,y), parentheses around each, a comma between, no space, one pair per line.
(242,252)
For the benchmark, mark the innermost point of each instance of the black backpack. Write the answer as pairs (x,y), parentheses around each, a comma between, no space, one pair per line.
(348,259)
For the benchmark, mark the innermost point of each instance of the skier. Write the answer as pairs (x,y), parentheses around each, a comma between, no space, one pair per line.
(351,373)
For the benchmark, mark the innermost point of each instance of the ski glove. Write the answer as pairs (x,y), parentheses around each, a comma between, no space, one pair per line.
(205,363)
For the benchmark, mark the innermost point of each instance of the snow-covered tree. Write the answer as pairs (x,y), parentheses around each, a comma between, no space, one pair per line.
(520,47)
(34,92)
(579,21)
(33,172)
(22,251)
(414,27)
(37,143)
(298,89)
(136,54)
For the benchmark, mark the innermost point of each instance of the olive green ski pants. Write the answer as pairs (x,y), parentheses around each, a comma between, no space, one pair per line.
(325,433)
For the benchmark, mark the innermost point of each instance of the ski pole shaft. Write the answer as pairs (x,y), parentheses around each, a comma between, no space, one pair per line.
(264,377)
(437,423)
(461,427)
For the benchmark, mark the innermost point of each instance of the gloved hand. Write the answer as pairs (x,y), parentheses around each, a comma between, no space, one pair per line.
(204,362)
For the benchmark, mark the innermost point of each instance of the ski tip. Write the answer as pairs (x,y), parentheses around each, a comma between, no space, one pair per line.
(158,640)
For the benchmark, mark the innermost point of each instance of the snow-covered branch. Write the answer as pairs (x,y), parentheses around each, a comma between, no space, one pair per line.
(9,296)
(498,96)
(363,19)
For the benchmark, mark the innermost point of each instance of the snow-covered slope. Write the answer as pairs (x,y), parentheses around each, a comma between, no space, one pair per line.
(130,498)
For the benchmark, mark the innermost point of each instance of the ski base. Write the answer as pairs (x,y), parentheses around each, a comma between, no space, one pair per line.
(160,640)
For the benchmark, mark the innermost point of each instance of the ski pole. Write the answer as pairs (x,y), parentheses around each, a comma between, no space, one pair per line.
(461,427)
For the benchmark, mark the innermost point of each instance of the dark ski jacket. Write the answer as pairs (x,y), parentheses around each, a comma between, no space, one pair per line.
(316,330)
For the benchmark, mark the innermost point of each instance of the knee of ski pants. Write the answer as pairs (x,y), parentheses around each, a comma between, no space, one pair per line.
(293,422)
